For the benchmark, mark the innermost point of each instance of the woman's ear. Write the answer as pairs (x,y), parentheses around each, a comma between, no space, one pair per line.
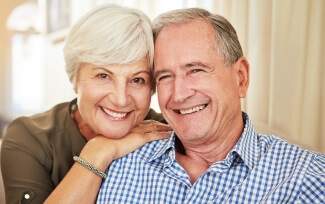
(76,77)
(75,87)
(75,81)
(242,68)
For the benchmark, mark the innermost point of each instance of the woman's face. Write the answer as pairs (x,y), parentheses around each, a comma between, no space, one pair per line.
(113,99)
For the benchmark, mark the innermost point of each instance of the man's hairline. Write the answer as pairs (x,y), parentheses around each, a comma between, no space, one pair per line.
(211,28)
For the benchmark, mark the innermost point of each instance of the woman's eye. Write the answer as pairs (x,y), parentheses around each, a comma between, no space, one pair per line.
(138,80)
(102,76)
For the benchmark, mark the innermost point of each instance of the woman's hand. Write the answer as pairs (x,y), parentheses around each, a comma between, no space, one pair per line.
(100,151)
(147,131)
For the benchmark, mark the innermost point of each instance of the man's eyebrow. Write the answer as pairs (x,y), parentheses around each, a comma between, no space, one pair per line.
(195,64)
(187,65)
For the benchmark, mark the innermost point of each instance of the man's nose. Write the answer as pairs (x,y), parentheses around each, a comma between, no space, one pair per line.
(182,89)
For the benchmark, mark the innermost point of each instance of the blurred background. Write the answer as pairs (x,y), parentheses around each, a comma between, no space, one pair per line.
(284,42)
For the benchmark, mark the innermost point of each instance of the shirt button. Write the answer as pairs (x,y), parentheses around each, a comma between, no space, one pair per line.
(26,196)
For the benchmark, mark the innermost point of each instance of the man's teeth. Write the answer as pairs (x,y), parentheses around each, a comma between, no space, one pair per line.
(192,110)
(113,114)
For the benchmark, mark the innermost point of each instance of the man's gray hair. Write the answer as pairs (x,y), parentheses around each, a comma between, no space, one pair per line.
(226,41)
(106,35)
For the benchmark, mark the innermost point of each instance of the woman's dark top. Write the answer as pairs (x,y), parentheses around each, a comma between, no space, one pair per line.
(37,153)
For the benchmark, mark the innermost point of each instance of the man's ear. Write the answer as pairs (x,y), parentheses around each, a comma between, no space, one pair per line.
(242,69)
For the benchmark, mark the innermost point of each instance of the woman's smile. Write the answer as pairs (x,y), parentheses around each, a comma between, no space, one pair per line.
(114,115)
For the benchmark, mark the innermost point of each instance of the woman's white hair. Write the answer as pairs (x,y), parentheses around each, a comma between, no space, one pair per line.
(108,34)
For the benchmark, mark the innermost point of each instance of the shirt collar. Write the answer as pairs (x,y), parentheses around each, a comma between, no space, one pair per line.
(162,147)
(247,146)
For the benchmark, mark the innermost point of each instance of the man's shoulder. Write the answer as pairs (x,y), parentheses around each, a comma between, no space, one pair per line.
(317,165)
(286,168)
(311,163)
(275,144)
(151,151)
(312,189)
(291,157)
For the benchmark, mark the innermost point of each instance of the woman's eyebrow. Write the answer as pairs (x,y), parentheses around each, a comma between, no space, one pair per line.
(103,69)
(142,71)
(112,73)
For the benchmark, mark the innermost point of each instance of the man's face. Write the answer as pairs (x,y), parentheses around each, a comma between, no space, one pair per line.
(197,94)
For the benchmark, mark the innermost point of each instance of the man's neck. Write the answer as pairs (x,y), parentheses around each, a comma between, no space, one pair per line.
(196,159)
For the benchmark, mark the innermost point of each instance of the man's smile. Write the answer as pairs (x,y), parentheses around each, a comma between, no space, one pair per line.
(190,110)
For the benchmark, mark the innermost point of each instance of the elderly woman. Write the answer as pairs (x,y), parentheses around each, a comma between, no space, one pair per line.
(66,150)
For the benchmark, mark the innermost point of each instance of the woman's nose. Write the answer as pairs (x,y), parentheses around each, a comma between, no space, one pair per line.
(119,95)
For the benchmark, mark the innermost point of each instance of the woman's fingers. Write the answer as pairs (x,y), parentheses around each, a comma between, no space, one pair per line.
(151,136)
(151,126)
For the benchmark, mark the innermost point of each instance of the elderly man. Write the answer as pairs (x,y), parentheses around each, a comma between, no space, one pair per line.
(214,155)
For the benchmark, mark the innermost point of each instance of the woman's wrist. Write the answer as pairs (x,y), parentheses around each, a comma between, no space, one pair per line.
(90,167)
(99,152)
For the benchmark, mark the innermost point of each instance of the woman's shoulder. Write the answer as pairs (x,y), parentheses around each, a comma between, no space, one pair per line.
(25,129)
(42,122)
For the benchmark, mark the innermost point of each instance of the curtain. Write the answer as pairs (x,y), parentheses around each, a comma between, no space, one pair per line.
(284,42)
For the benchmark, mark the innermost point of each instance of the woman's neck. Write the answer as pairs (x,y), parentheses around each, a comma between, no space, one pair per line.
(84,129)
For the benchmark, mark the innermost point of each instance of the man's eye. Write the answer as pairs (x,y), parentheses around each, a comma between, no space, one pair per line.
(102,76)
(138,80)
(196,70)
(162,78)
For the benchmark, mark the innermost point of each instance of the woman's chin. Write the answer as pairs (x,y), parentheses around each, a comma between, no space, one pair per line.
(116,133)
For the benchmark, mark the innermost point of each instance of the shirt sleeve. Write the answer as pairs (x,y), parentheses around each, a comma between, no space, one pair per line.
(25,177)
(313,186)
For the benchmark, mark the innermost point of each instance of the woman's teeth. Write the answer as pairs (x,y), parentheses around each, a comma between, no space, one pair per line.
(114,114)
(192,110)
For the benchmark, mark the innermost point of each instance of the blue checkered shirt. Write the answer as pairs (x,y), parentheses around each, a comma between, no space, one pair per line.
(259,169)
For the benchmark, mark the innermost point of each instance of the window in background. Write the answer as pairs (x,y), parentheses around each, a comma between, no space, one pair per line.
(26,78)
(58,14)
(26,73)
(38,79)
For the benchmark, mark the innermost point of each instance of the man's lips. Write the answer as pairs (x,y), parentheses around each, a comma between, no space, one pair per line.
(118,115)
(190,110)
